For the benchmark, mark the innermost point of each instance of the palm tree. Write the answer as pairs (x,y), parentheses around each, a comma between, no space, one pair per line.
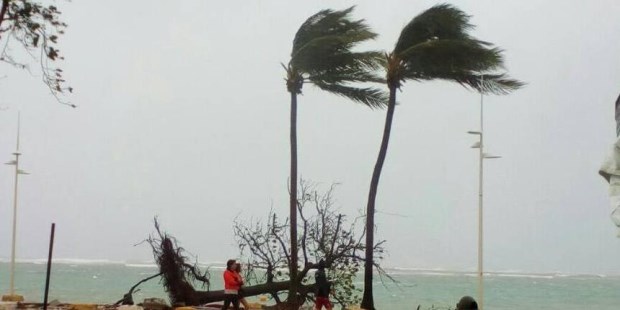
(434,45)
(323,56)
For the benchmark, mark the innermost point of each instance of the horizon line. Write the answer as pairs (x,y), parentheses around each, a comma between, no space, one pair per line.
(428,270)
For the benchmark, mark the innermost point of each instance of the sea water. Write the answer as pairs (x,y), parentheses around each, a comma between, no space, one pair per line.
(106,282)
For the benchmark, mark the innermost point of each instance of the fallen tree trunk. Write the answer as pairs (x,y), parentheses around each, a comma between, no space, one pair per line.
(203,297)
(177,277)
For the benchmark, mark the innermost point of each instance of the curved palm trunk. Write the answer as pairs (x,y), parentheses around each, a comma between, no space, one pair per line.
(293,198)
(367,299)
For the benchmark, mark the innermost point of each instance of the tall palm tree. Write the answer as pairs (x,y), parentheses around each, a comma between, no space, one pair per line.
(434,45)
(323,55)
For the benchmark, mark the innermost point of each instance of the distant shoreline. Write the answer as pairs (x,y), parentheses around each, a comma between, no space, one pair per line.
(389,270)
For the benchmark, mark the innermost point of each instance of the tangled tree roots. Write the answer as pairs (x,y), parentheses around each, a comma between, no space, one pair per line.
(177,274)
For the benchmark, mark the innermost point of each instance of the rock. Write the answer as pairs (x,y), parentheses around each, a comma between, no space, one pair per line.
(82,307)
(155,304)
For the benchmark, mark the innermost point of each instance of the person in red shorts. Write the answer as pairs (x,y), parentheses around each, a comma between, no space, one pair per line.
(323,288)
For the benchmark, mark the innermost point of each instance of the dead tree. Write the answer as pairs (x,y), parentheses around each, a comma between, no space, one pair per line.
(324,234)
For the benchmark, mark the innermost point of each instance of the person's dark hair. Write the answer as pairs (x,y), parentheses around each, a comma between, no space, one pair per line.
(230,263)
(321,264)
(467,303)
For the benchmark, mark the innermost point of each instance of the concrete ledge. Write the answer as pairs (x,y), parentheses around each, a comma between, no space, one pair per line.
(14,298)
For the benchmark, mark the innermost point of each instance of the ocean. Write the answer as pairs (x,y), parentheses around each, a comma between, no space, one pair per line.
(81,281)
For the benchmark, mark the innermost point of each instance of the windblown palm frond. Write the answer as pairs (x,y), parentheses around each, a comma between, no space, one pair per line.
(372,97)
(323,55)
(498,84)
(436,45)
(450,55)
(441,22)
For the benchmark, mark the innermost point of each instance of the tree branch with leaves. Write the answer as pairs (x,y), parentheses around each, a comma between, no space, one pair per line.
(36,29)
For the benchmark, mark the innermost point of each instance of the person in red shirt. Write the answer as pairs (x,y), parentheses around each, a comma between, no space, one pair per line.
(232,283)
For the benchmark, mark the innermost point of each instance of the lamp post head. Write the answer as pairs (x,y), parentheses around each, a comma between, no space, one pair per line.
(471,132)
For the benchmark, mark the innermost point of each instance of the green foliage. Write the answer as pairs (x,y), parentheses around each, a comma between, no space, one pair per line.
(437,45)
(36,28)
(441,21)
(344,290)
(323,55)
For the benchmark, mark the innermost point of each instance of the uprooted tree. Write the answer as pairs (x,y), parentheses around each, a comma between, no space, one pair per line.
(176,274)
(324,235)
(179,277)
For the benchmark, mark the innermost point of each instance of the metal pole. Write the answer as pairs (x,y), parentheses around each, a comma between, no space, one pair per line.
(480,210)
(12,285)
(49,267)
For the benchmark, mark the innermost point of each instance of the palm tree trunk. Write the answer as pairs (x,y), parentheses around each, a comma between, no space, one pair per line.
(367,299)
(293,199)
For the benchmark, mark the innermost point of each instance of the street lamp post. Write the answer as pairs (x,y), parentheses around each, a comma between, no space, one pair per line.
(18,171)
(482,156)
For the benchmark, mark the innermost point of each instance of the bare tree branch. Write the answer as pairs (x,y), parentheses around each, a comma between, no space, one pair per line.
(322,236)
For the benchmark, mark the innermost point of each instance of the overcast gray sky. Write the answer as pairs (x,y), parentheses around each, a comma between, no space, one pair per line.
(183,113)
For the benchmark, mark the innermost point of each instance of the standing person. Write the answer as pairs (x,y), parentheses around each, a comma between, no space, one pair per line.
(323,288)
(240,292)
(231,286)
